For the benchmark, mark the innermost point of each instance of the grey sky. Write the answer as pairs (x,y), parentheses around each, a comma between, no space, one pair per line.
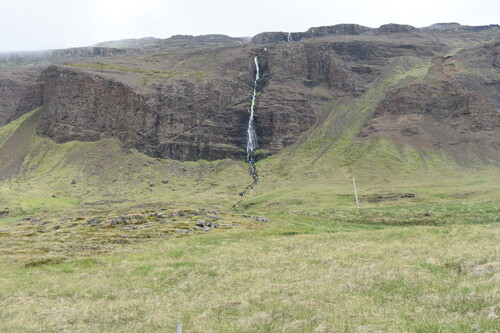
(47,24)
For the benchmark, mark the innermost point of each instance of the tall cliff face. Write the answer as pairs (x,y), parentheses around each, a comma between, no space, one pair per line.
(17,87)
(84,107)
(187,117)
(332,30)
(191,104)
(356,30)
(181,121)
(339,29)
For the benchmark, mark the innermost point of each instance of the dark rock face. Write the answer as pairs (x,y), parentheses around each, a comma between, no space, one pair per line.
(84,107)
(331,30)
(89,52)
(154,104)
(355,29)
(300,79)
(13,86)
(441,113)
(272,37)
(339,29)
(456,27)
(19,89)
(203,119)
(32,98)
(183,120)
(392,28)
(9,97)
(65,54)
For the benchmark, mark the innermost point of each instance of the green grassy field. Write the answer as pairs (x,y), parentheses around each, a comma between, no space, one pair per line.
(302,272)
(421,255)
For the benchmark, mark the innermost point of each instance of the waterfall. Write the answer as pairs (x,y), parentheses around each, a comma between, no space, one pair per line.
(251,133)
(289,38)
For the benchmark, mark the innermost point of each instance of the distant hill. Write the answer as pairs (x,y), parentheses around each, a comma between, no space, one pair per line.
(177,41)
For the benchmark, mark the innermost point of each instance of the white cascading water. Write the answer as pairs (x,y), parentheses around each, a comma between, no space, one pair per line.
(251,133)
(289,38)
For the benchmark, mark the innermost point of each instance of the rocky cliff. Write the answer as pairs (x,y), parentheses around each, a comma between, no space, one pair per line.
(192,103)
(181,120)
(453,109)
(356,30)
(17,87)
(184,119)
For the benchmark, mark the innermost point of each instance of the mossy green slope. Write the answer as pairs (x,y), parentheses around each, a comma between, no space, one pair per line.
(316,171)
(40,176)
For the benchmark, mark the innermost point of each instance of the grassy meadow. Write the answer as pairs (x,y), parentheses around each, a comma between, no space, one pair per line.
(99,238)
(300,272)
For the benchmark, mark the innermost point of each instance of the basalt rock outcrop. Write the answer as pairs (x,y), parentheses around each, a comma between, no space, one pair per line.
(17,87)
(456,27)
(332,30)
(450,110)
(181,121)
(394,28)
(65,54)
(356,29)
(193,103)
(339,29)
(190,119)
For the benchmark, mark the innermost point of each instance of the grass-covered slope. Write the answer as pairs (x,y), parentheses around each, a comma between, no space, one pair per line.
(316,172)
(40,176)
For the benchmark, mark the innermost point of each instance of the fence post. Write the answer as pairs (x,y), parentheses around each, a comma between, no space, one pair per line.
(179,327)
(355,192)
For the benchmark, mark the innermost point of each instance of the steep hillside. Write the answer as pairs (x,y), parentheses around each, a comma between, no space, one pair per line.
(192,104)
(402,109)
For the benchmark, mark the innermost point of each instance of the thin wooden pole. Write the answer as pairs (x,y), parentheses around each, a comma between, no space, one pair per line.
(355,192)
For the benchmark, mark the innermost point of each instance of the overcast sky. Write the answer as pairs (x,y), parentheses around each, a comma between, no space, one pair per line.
(48,24)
